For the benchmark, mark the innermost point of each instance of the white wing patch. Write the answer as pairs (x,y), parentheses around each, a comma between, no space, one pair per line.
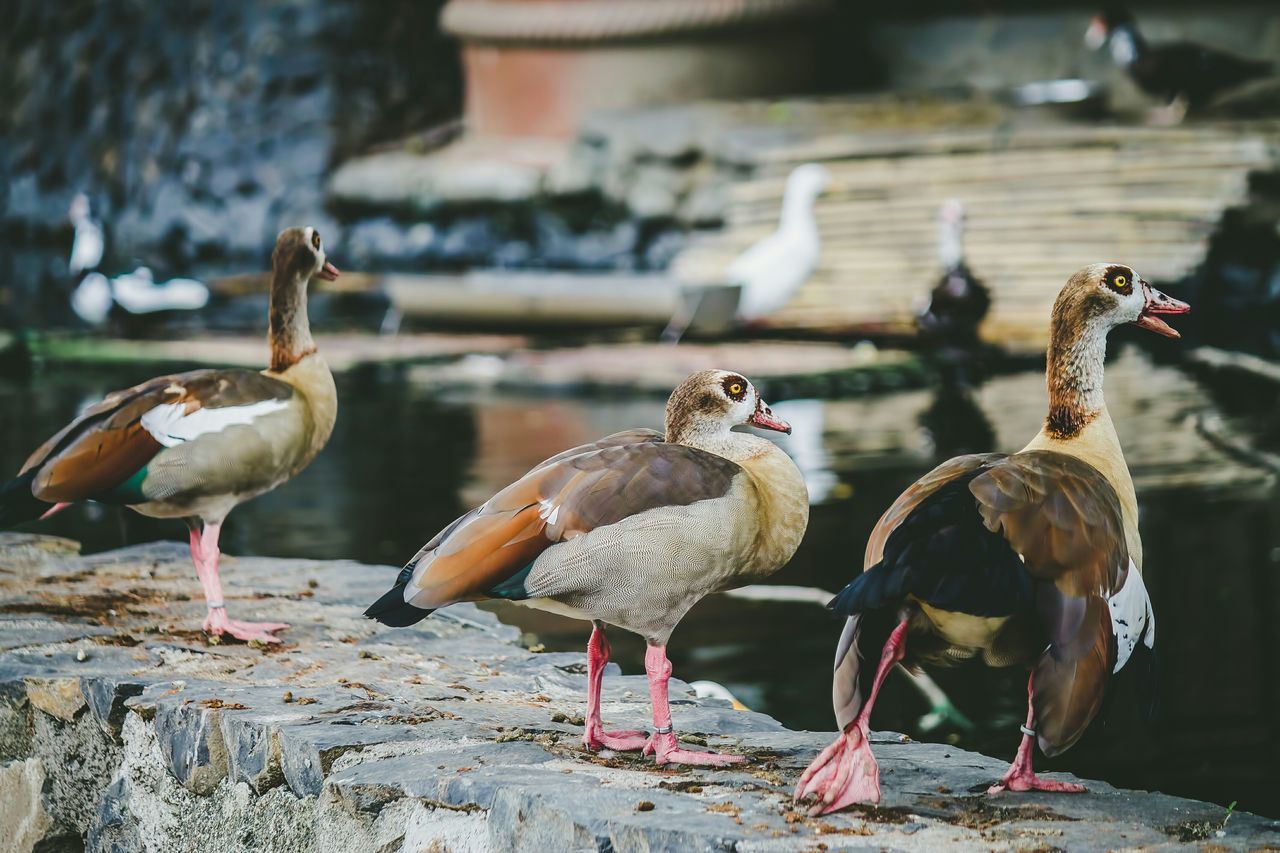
(1131,617)
(170,424)
(548,511)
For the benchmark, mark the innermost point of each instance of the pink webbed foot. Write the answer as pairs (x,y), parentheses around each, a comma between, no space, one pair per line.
(1020,775)
(665,749)
(844,773)
(218,623)
(619,741)
(1016,780)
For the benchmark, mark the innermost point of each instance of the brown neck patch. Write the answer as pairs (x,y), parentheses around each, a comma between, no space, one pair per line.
(1067,421)
(1074,368)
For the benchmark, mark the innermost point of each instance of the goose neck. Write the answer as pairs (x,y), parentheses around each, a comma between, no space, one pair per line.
(289,328)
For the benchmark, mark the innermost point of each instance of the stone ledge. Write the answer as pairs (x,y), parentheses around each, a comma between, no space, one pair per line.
(122,725)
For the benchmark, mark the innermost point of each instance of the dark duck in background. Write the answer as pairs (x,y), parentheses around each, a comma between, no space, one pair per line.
(1182,73)
(948,326)
(194,445)
(1031,559)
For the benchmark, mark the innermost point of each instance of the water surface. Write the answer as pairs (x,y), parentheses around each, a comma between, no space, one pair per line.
(406,459)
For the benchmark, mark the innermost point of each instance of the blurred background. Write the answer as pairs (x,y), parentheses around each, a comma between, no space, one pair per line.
(548,212)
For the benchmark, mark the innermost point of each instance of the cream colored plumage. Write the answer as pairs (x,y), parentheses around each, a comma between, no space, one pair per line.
(632,531)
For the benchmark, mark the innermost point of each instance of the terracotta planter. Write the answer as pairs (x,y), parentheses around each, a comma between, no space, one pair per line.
(533,67)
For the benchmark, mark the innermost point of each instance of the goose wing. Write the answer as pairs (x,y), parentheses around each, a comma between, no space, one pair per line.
(487,552)
(1036,534)
(104,453)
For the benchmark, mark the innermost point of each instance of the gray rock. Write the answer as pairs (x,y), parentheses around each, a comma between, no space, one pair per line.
(106,696)
(190,738)
(356,738)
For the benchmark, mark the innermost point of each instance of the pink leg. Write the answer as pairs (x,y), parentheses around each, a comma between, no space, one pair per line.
(1020,776)
(663,745)
(54,510)
(846,772)
(204,553)
(594,736)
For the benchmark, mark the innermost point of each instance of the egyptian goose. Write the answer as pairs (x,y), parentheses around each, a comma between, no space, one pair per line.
(1030,560)
(194,445)
(959,301)
(771,271)
(1175,71)
(631,531)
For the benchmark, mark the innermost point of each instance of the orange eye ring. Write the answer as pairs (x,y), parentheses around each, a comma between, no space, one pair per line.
(1121,282)
(735,388)
(315,239)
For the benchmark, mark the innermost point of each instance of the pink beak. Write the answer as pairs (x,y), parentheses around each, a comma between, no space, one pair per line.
(764,418)
(328,272)
(1159,303)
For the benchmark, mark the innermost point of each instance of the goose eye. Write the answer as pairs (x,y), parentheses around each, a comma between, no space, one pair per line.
(1121,282)
(735,389)
(315,239)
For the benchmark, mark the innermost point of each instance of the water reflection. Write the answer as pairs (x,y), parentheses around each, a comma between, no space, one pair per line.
(405,460)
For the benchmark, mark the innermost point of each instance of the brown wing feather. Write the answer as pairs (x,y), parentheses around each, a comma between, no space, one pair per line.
(107,443)
(915,495)
(846,694)
(1064,518)
(556,501)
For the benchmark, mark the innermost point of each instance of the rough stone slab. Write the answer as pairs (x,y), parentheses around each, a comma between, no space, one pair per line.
(23,820)
(191,740)
(58,697)
(106,697)
(352,737)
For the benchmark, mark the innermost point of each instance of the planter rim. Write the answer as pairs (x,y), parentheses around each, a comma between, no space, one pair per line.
(569,21)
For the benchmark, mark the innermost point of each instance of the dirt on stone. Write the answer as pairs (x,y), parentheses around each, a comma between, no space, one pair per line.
(100,607)
(978,813)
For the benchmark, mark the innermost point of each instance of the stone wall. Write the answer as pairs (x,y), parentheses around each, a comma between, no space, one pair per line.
(200,128)
(122,728)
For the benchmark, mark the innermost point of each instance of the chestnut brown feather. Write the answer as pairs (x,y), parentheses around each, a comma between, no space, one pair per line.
(107,444)
(1062,518)
(568,495)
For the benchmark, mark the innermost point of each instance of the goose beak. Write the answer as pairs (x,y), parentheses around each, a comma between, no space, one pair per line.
(328,272)
(1159,303)
(764,418)
(1096,35)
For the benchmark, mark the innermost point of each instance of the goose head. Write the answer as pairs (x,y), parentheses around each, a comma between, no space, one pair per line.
(807,182)
(78,210)
(1102,296)
(710,403)
(1117,28)
(299,256)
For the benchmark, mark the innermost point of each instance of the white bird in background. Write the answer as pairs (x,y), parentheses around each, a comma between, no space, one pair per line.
(88,245)
(771,271)
(136,292)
